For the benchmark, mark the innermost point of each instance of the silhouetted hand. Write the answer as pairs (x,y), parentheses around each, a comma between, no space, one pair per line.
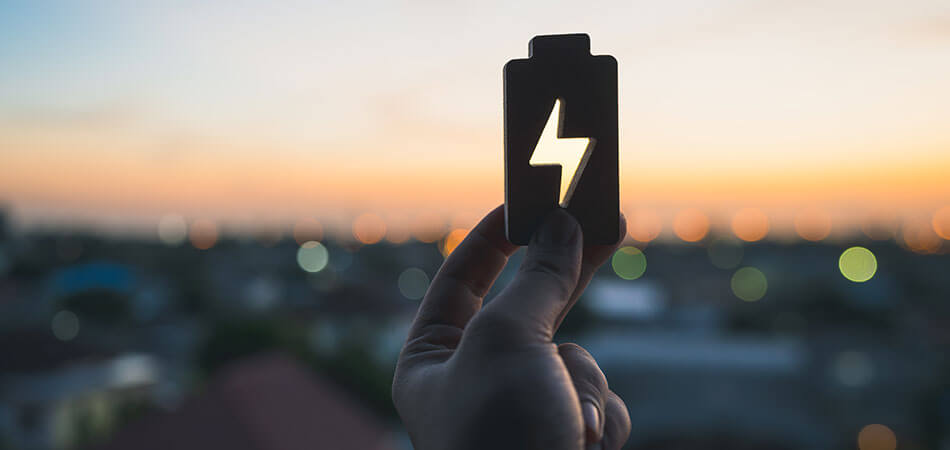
(491,378)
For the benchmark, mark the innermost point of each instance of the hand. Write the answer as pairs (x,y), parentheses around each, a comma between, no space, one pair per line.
(491,378)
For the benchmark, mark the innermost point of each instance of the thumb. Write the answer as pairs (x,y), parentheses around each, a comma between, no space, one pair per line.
(546,280)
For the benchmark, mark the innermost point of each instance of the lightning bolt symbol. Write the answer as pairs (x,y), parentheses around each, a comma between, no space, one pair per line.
(569,153)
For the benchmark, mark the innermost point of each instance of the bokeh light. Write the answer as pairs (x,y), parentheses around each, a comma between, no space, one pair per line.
(172,230)
(452,240)
(691,225)
(203,234)
(749,284)
(308,229)
(369,228)
(857,264)
(413,283)
(941,222)
(65,325)
(725,253)
(813,224)
(644,225)
(750,224)
(428,227)
(629,263)
(919,236)
(877,437)
(397,234)
(312,256)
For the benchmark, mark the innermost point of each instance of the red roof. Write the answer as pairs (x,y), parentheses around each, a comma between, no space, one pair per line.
(268,402)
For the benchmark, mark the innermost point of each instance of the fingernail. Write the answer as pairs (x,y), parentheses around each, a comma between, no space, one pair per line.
(591,421)
(559,228)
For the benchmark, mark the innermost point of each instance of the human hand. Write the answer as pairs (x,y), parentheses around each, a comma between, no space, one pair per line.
(491,378)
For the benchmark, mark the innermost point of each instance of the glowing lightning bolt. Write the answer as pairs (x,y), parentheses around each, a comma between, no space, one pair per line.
(569,153)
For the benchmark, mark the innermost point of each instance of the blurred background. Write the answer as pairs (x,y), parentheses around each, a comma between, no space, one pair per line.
(218,218)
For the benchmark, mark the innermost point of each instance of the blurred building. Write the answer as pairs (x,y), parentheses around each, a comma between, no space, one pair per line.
(55,394)
(267,402)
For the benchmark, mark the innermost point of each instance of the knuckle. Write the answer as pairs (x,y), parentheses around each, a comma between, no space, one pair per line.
(584,370)
(618,418)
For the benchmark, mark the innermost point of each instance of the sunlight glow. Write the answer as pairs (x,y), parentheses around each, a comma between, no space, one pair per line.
(691,225)
(369,228)
(203,234)
(750,224)
(813,224)
(452,240)
(877,437)
(644,225)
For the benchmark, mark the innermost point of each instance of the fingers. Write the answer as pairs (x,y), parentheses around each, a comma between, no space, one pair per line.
(456,292)
(617,423)
(541,289)
(594,257)
(591,387)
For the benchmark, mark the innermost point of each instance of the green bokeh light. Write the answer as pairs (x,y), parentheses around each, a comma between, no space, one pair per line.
(312,256)
(629,263)
(857,264)
(749,284)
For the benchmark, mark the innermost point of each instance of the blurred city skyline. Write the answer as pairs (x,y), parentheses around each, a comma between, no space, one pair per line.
(835,115)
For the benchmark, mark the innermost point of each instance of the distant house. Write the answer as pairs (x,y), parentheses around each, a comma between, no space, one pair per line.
(54,394)
(267,402)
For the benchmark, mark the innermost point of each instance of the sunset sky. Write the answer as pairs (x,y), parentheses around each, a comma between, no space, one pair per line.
(116,114)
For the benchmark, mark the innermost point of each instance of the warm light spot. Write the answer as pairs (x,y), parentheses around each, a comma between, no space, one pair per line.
(920,237)
(941,222)
(397,234)
(644,225)
(369,228)
(876,437)
(691,225)
(813,224)
(308,229)
(312,256)
(413,283)
(172,230)
(857,264)
(65,325)
(749,284)
(750,224)
(428,227)
(725,253)
(629,263)
(452,240)
(203,234)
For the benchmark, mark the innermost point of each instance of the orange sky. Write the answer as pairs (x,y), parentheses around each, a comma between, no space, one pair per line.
(258,114)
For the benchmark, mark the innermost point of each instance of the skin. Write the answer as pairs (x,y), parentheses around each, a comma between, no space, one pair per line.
(474,377)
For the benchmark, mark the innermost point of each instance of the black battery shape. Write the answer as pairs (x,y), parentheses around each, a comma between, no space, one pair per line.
(562,97)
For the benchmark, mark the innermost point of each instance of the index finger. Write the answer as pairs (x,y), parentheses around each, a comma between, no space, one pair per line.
(456,292)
